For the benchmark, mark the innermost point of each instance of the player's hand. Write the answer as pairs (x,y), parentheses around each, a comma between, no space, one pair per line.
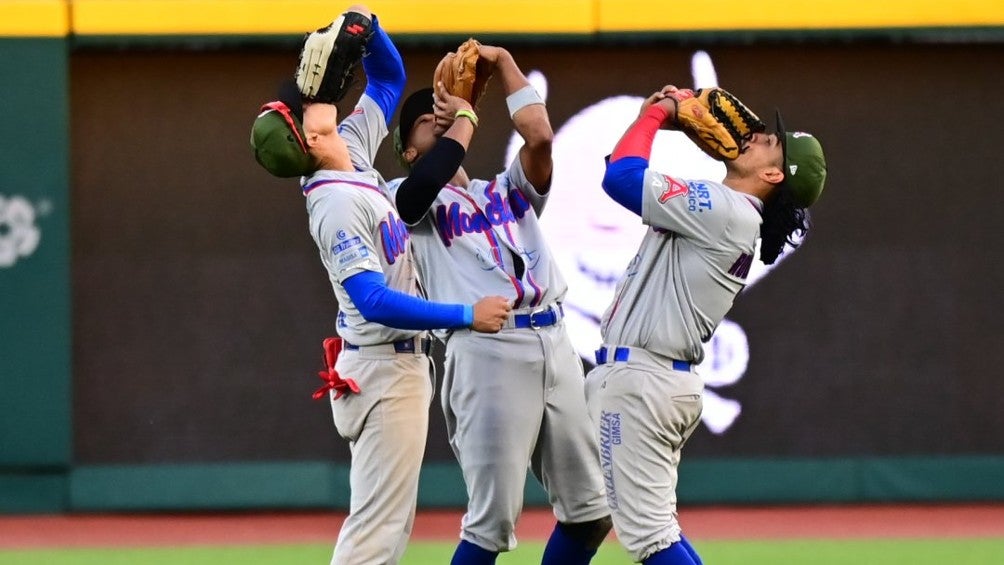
(490,314)
(445,107)
(667,97)
(491,54)
(360,9)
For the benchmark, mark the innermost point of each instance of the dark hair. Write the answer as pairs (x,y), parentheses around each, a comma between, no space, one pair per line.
(289,94)
(781,219)
(415,106)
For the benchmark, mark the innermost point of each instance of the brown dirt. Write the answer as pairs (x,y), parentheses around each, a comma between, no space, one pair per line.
(89,530)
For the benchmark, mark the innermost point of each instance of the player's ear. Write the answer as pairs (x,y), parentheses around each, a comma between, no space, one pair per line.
(410,155)
(312,138)
(771,174)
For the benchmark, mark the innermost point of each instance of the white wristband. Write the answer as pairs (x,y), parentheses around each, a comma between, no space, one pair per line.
(522,98)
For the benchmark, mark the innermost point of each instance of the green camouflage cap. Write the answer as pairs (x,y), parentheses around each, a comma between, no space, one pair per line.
(804,165)
(279,143)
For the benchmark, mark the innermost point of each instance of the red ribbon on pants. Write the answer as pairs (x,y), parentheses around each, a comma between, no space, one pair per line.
(332,380)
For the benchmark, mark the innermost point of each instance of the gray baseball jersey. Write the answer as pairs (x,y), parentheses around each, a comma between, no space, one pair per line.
(644,398)
(515,399)
(475,234)
(357,229)
(691,264)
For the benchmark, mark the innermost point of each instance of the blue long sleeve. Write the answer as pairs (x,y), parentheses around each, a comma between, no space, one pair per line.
(380,304)
(623,181)
(385,76)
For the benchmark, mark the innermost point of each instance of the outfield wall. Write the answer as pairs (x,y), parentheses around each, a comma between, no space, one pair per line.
(162,304)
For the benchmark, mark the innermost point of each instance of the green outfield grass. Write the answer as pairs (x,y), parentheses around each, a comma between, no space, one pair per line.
(785,552)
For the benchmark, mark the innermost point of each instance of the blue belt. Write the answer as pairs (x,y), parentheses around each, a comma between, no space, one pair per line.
(403,346)
(621,355)
(539,319)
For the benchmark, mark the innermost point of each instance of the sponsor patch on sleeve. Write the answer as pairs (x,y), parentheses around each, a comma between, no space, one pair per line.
(349,250)
(699,198)
(671,189)
(346,245)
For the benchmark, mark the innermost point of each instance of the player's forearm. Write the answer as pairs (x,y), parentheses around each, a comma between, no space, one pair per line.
(383,305)
(462,129)
(385,75)
(526,107)
(637,140)
(417,192)
(531,122)
(509,73)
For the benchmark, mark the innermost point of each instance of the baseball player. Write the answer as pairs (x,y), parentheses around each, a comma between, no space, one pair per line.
(515,399)
(643,395)
(365,248)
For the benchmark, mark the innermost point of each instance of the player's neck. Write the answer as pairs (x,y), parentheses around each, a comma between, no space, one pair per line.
(460,178)
(747,185)
(336,162)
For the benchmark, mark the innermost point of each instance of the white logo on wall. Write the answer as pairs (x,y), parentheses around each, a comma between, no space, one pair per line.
(19,236)
(593,238)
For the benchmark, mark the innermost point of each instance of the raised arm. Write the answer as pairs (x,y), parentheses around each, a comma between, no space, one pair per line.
(385,76)
(529,117)
(625,173)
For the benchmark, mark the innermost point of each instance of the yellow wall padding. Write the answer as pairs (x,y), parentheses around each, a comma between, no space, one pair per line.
(156,17)
(34,18)
(57,18)
(723,15)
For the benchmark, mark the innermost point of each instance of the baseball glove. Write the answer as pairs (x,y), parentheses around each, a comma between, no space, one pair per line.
(716,121)
(464,73)
(329,57)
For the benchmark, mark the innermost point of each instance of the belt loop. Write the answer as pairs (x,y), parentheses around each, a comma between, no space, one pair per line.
(601,356)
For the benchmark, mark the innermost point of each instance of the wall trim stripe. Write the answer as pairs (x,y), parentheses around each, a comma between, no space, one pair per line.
(57,18)
(323,485)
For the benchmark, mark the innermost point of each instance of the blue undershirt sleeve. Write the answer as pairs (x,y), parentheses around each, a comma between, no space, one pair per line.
(624,180)
(383,305)
(385,76)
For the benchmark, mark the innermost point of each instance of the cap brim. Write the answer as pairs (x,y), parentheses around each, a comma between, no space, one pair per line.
(781,135)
